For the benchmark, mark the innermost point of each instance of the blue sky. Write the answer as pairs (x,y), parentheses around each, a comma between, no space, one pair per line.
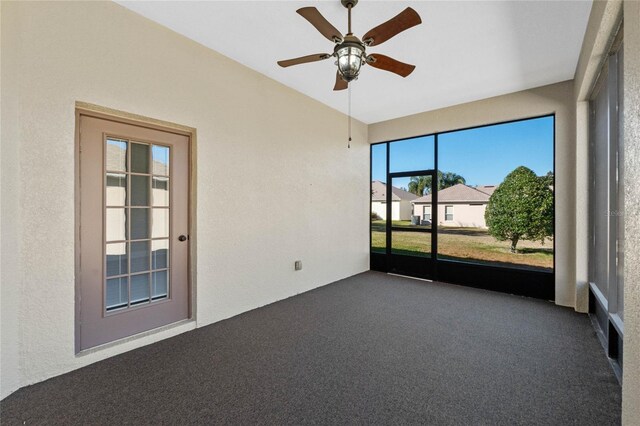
(483,156)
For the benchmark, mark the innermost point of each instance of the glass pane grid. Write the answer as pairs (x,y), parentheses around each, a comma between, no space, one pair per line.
(137,223)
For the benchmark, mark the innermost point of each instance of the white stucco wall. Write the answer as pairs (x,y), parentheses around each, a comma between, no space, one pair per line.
(57,53)
(10,223)
(555,98)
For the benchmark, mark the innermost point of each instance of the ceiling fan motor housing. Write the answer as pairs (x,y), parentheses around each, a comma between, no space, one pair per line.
(351,56)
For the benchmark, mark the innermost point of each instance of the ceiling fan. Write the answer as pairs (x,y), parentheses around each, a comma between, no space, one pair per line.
(350,51)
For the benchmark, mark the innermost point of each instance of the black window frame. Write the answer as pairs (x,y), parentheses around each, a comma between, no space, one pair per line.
(532,283)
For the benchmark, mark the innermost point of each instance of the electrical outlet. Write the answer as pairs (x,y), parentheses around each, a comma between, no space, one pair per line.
(298,265)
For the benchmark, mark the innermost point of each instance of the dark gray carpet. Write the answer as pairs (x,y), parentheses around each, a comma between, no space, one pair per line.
(369,349)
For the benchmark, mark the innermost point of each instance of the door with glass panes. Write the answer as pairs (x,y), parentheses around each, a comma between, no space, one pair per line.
(133,234)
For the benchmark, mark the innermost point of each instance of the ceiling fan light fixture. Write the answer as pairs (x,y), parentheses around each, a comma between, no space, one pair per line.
(350,56)
(350,51)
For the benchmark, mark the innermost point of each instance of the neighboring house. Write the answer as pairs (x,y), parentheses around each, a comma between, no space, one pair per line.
(459,205)
(401,207)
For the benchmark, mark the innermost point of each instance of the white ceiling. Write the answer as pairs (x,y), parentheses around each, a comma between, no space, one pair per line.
(464,51)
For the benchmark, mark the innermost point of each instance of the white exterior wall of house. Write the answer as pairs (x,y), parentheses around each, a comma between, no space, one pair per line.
(400,210)
(405,210)
(379,208)
(57,53)
(395,210)
(464,215)
(419,210)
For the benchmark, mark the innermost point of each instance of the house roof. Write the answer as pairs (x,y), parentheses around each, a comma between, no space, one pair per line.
(461,193)
(488,189)
(379,192)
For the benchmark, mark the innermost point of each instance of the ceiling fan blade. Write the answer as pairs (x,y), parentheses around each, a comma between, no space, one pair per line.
(316,19)
(403,21)
(340,83)
(304,59)
(389,64)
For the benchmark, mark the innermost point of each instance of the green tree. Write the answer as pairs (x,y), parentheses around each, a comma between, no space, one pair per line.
(521,208)
(421,185)
(549,179)
(445,180)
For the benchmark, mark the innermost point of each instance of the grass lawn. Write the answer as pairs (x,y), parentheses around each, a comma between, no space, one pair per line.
(467,244)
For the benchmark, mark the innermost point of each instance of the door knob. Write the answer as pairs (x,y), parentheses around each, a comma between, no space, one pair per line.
(183,238)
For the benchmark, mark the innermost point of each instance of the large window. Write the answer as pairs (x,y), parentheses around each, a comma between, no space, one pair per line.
(496,193)
(494,201)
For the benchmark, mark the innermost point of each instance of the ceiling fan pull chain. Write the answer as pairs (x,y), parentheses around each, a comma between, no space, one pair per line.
(349,144)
